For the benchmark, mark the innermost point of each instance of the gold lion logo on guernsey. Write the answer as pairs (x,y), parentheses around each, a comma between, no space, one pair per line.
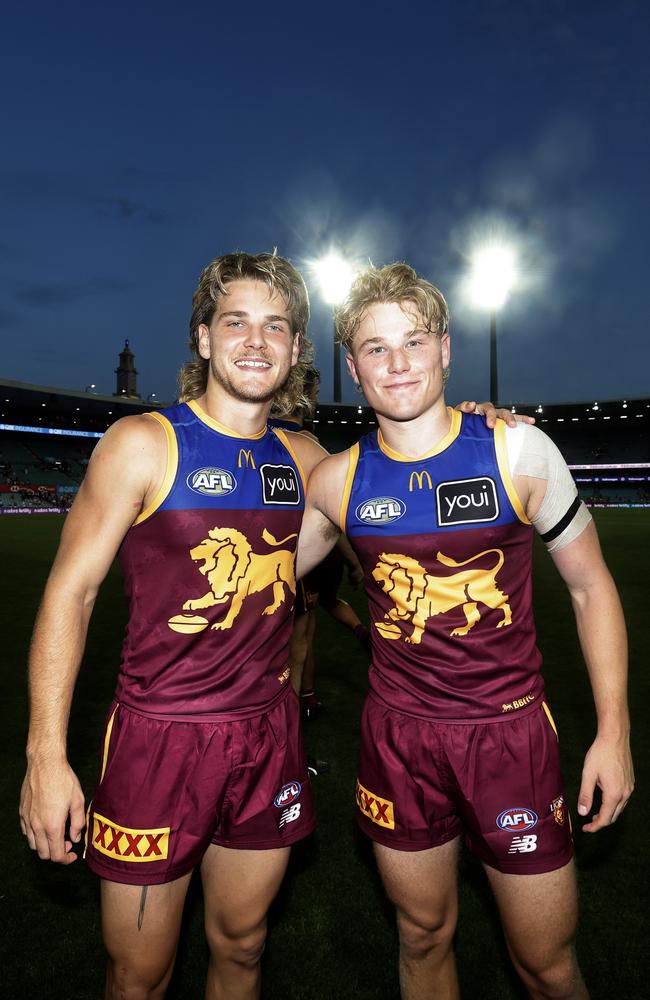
(418,595)
(234,572)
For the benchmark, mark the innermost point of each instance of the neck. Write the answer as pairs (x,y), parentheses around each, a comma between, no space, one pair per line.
(418,436)
(242,416)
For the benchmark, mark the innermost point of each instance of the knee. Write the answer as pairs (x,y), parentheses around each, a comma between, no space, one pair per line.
(556,978)
(420,934)
(125,983)
(243,949)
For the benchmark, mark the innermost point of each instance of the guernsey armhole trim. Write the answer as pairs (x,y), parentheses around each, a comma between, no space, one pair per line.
(281,434)
(504,471)
(353,459)
(170,469)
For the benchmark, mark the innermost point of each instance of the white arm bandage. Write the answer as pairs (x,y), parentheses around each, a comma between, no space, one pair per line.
(562,516)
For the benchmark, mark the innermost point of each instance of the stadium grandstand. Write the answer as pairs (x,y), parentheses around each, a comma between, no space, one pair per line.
(47,436)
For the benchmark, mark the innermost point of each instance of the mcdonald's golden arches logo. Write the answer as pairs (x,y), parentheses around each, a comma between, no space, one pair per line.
(419,478)
(245,457)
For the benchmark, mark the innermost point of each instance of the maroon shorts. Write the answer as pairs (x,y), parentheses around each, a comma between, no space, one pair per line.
(422,783)
(169,789)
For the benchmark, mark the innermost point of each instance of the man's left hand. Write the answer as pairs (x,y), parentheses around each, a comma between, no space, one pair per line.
(492,414)
(608,764)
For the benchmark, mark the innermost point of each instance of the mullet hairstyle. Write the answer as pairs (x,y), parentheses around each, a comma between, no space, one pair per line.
(393,283)
(280,276)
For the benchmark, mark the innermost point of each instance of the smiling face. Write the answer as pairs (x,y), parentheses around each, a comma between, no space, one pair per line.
(250,342)
(398,362)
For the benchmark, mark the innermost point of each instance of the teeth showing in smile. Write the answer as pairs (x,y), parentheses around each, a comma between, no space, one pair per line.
(252,364)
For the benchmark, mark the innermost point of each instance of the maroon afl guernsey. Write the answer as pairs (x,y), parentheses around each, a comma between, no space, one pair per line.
(446,549)
(209,573)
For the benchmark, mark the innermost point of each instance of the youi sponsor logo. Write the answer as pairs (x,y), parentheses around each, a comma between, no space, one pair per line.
(380,510)
(466,501)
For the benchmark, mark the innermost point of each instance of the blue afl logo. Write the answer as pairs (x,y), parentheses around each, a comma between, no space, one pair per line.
(380,510)
(287,794)
(211,482)
(516,819)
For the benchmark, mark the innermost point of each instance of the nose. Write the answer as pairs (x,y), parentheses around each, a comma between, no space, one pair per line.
(255,336)
(398,361)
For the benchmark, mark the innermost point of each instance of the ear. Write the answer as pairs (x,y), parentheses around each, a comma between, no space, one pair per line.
(352,368)
(445,350)
(204,341)
(295,349)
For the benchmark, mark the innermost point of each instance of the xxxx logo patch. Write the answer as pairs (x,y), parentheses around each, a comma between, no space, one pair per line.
(380,811)
(125,844)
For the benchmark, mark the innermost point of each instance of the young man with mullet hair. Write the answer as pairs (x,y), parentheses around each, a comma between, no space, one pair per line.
(456,734)
(202,761)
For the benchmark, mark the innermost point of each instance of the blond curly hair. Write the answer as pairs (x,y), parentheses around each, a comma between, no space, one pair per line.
(393,283)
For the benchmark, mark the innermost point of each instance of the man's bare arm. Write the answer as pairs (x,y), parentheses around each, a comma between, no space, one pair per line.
(125,471)
(320,529)
(603,640)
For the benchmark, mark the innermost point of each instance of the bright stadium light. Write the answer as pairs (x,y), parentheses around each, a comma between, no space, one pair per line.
(493,275)
(334,275)
(492,278)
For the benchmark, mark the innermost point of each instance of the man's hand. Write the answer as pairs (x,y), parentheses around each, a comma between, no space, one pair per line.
(608,764)
(492,414)
(50,794)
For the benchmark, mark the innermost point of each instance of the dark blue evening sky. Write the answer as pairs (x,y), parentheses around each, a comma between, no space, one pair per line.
(140,140)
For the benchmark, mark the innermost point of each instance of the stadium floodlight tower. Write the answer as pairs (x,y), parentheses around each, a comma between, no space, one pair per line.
(334,275)
(492,278)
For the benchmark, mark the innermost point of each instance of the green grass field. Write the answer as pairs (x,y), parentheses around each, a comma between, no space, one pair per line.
(332,935)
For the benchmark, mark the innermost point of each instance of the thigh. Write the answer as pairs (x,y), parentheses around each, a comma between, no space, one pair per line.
(141,925)
(421,884)
(538,913)
(239,886)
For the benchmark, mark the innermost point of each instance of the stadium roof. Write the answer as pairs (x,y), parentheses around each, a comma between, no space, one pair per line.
(21,400)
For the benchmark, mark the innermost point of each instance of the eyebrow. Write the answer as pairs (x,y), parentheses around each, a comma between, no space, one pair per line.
(378,339)
(240,313)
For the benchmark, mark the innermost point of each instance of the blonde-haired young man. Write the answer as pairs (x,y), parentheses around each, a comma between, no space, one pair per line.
(456,734)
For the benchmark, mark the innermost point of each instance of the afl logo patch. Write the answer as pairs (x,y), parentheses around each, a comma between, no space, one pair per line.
(211,482)
(287,794)
(279,484)
(381,510)
(516,819)
(466,501)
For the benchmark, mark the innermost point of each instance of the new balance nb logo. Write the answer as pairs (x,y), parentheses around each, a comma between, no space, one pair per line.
(288,816)
(523,845)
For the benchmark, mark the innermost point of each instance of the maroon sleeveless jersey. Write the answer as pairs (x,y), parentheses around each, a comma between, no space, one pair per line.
(209,573)
(446,550)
